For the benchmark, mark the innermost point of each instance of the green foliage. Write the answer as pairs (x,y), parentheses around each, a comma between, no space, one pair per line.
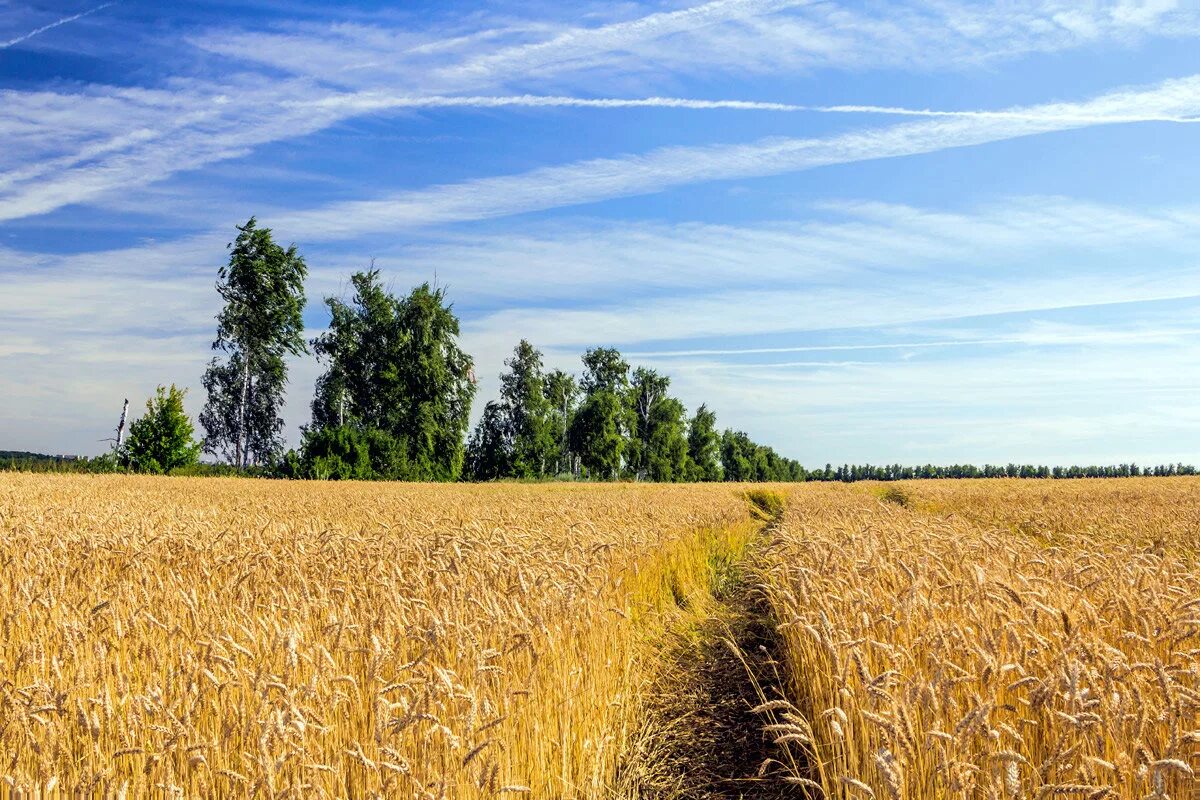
(736,449)
(704,446)
(396,373)
(896,495)
(360,347)
(162,440)
(523,395)
(767,504)
(336,453)
(438,377)
(596,434)
(646,392)
(743,460)
(626,426)
(388,456)
(666,449)
(604,370)
(260,325)
(562,393)
(489,453)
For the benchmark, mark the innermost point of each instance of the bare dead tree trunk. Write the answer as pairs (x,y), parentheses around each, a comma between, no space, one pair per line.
(121,424)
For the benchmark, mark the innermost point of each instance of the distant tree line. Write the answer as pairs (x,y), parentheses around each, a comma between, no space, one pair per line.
(849,473)
(394,403)
(612,422)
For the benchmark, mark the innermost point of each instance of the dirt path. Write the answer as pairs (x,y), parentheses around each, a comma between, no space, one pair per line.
(701,740)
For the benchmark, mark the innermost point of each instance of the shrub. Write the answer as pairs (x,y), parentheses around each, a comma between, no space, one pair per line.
(163,439)
(340,452)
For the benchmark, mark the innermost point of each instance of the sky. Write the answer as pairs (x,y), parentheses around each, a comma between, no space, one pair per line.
(917,231)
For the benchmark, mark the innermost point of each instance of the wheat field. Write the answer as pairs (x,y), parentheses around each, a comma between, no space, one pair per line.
(991,639)
(231,638)
(164,637)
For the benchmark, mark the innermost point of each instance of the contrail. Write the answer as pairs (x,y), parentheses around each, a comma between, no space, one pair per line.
(1028,338)
(365,102)
(62,21)
(376,101)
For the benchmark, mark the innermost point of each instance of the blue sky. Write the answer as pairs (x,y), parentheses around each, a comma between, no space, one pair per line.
(923,231)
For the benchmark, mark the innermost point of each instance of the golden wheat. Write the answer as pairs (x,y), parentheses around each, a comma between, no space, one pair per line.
(993,639)
(236,638)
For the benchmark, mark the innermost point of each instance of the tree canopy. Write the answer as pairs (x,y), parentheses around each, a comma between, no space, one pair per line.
(261,324)
(397,378)
(614,422)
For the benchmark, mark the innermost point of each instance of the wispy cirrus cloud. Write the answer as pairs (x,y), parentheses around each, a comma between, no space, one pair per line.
(576,48)
(120,140)
(66,148)
(771,313)
(1038,334)
(605,178)
(130,317)
(836,243)
(726,36)
(373,101)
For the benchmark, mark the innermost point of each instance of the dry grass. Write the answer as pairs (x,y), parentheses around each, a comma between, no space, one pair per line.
(221,638)
(992,639)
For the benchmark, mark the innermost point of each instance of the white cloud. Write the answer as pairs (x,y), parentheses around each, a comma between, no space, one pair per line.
(729,36)
(86,330)
(606,178)
(874,243)
(772,312)
(69,148)
(1105,402)
(85,146)
(577,48)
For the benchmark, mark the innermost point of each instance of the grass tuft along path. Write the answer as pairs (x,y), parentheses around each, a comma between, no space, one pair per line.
(700,738)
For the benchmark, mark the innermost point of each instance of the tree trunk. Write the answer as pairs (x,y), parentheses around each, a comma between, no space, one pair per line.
(239,450)
(121,424)
(247,455)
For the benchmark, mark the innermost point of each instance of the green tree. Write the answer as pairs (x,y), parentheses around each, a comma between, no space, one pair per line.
(261,324)
(599,428)
(737,453)
(666,449)
(646,391)
(395,371)
(162,439)
(596,434)
(561,394)
(337,452)
(489,452)
(604,370)
(704,445)
(360,347)
(523,394)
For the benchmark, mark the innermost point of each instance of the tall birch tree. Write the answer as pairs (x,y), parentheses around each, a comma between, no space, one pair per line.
(259,327)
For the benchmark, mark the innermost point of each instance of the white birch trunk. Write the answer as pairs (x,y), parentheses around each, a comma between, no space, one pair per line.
(239,448)
(121,424)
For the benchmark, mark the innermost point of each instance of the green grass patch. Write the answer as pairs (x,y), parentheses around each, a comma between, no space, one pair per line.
(766,504)
(895,494)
